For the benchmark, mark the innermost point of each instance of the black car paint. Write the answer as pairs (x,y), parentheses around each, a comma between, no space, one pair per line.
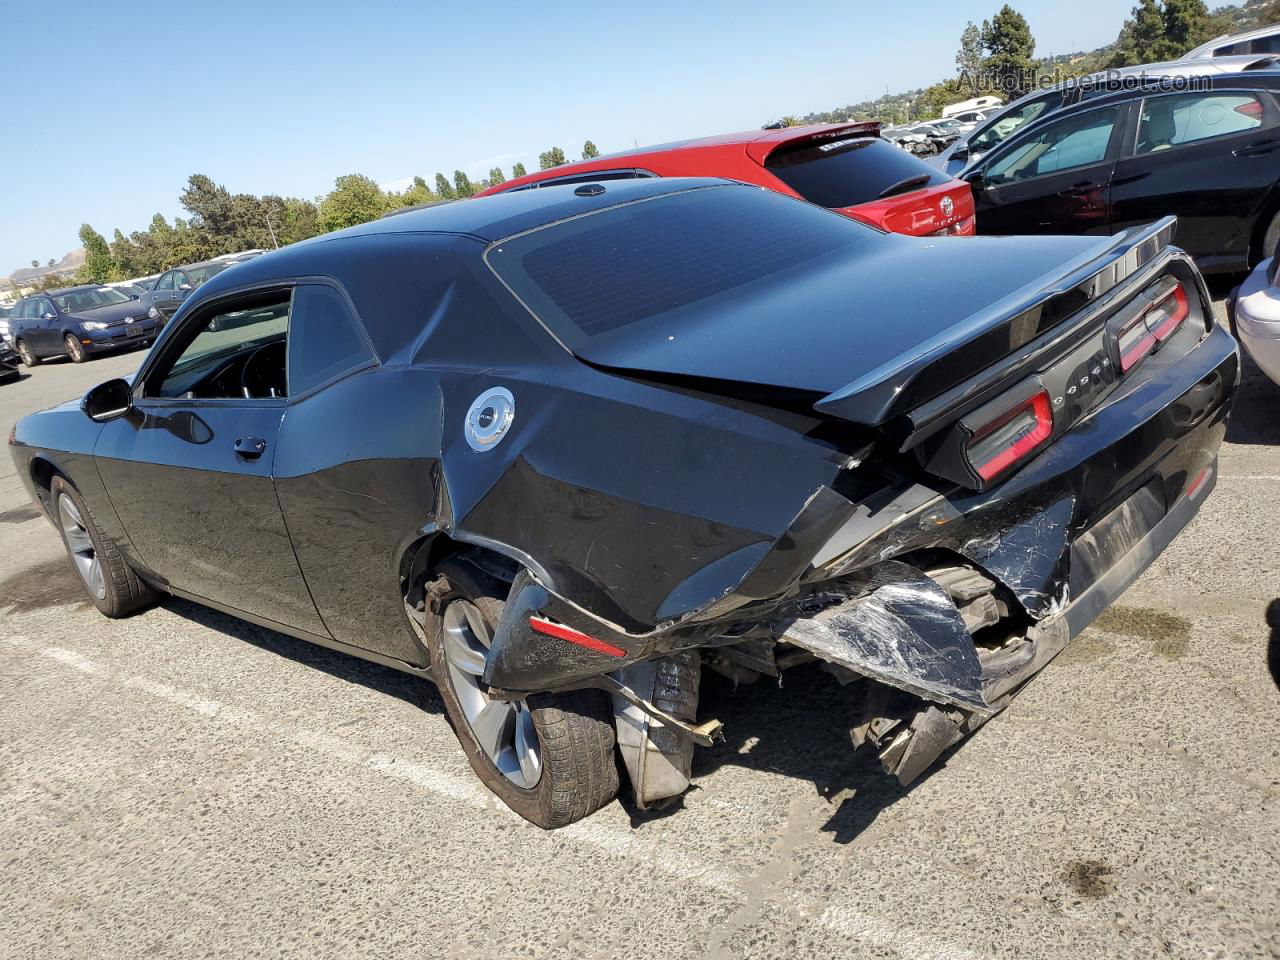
(1223,189)
(652,514)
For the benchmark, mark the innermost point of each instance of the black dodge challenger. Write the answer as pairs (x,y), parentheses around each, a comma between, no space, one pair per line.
(561,450)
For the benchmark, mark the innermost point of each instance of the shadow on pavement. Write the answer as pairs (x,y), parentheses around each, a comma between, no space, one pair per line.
(411,689)
(1253,419)
(1273,641)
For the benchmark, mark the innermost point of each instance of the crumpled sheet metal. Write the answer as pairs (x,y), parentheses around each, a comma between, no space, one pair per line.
(659,761)
(1030,557)
(902,629)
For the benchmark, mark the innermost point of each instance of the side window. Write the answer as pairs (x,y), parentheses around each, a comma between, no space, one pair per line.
(180,278)
(326,339)
(1009,123)
(165,282)
(1074,142)
(43,307)
(239,351)
(1266,44)
(1184,118)
(23,310)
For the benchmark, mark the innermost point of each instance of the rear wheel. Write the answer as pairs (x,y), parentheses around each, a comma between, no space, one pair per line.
(110,582)
(550,758)
(74,349)
(1270,238)
(24,351)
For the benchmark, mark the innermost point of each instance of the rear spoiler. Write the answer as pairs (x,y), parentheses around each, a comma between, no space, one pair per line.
(757,150)
(984,339)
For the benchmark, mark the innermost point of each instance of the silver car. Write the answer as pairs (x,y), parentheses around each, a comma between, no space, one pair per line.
(1256,312)
(1265,40)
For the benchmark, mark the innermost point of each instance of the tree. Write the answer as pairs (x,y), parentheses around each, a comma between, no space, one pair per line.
(354,199)
(1142,38)
(589,151)
(35,264)
(443,188)
(1010,46)
(97,266)
(790,121)
(969,57)
(463,185)
(551,158)
(496,177)
(1186,24)
(51,263)
(517,171)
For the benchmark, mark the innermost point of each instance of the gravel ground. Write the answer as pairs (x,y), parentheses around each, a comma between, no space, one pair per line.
(183,784)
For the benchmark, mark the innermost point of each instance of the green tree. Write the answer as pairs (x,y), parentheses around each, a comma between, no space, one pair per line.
(551,158)
(444,188)
(97,266)
(35,264)
(420,184)
(462,185)
(1010,47)
(969,57)
(354,199)
(589,151)
(496,177)
(790,121)
(1142,38)
(517,171)
(1187,24)
(51,263)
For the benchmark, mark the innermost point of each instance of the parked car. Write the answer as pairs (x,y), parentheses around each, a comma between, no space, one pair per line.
(172,287)
(4,324)
(78,322)
(1207,157)
(908,139)
(845,167)
(560,449)
(1255,315)
(1034,108)
(1265,40)
(8,364)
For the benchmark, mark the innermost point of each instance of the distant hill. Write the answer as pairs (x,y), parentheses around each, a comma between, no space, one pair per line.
(69,263)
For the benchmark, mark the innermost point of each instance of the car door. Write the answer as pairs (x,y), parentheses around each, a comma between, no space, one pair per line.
(162,297)
(1208,157)
(48,326)
(21,326)
(1051,179)
(189,469)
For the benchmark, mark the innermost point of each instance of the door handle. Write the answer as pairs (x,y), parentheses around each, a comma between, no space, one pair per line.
(1080,190)
(1258,149)
(250,448)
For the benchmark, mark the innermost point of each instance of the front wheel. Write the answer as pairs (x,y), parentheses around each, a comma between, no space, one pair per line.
(28,357)
(550,758)
(74,349)
(111,583)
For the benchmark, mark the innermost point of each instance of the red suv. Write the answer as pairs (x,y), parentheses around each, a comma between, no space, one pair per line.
(845,167)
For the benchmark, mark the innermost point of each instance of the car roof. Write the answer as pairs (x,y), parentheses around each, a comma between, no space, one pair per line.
(61,290)
(761,141)
(1209,46)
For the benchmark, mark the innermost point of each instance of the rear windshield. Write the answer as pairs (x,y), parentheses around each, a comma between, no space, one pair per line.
(655,265)
(841,173)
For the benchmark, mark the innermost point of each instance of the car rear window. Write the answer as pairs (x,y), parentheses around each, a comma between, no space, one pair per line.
(638,266)
(842,173)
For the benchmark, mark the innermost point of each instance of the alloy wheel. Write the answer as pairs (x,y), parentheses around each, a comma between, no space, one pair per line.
(503,728)
(74,350)
(27,356)
(80,545)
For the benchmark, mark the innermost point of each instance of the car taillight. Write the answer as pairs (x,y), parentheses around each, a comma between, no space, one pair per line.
(1251,109)
(1141,335)
(1012,436)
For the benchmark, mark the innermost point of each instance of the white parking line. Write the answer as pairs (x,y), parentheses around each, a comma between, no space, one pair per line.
(837,918)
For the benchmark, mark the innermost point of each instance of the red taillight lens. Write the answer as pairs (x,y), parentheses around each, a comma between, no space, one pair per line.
(1251,109)
(1011,437)
(569,635)
(1153,326)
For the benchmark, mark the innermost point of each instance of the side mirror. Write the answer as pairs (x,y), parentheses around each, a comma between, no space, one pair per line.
(48,316)
(133,296)
(961,152)
(108,401)
(184,286)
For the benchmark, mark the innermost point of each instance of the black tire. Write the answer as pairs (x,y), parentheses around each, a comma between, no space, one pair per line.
(579,773)
(122,591)
(74,350)
(1267,240)
(28,356)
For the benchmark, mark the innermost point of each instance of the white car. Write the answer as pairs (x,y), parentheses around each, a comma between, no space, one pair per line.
(1263,41)
(1256,309)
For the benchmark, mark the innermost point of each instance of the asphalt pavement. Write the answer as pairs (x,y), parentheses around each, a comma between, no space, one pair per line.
(183,784)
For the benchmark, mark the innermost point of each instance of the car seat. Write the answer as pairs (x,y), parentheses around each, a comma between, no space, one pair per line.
(1158,129)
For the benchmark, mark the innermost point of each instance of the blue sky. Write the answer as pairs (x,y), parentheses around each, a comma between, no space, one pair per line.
(112,106)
